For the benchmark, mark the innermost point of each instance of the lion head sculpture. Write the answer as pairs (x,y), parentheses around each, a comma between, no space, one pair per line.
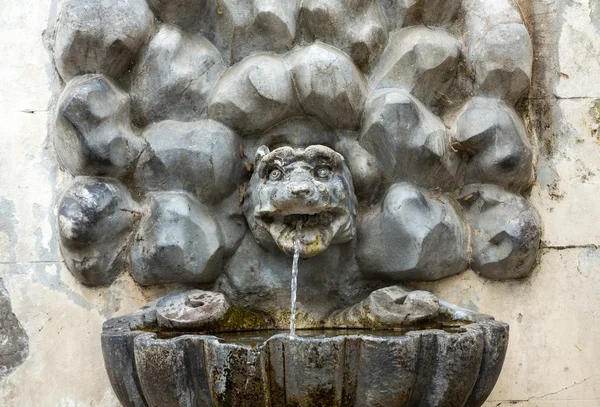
(302,194)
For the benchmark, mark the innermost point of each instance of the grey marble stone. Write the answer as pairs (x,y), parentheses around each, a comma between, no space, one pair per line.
(201,157)
(493,137)
(174,77)
(178,241)
(414,235)
(316,94)
(95,221)
(266,26)
(100,36)
(329,85)
(191,310)
(232,222)
(508,77)
(93,128)
(299,131)
(366,174)
(420,60)
(431,12)
(14,342)
(420,12)
(505,231)
(259,279)
(408,141)
(357,27)
(388,307)
(482,15)
(499,48)
(254,95)
(237,28)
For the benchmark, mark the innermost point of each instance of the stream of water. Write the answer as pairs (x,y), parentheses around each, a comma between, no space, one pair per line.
(294,286)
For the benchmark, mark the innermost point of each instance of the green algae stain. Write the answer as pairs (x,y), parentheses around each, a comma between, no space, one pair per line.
(239,319)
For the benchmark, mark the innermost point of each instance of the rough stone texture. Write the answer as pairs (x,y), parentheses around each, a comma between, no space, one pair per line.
(499,48)
(95,220)
(388,307)
(408,142)
(366,176)
(237,28)
(14,343)
(190,15)
(232,223)
(259,279)
(495,140)
(191,310)
(178,241)
(414,235)
(300,131)
(254,95)
(265,26)
(100,36)
(329,85)
(420,60)
(174,77)
(200,157)
(309,370)
(505,231)
(358,27)
(94,135)
(415,12)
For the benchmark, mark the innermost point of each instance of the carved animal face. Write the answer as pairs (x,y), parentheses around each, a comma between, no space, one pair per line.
(301,194)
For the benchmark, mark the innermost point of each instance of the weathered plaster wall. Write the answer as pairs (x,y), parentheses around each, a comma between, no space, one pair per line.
(553,356)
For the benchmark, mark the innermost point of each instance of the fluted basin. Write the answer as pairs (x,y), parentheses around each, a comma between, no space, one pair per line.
(448,363)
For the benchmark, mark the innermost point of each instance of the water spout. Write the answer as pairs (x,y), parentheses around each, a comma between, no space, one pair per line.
(294,286)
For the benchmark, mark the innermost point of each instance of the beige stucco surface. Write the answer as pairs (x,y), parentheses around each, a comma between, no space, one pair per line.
(554,355)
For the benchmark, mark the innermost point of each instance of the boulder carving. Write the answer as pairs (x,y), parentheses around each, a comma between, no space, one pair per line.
(368,143)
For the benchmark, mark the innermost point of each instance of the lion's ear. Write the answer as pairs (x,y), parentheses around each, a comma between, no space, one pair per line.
(260,153)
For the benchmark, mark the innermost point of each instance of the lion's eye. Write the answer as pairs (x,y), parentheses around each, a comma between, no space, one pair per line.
(275,174)
(322,172)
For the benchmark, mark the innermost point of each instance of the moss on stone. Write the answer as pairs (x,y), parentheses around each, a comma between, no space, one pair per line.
(239,319)
(281,319)
(367,320)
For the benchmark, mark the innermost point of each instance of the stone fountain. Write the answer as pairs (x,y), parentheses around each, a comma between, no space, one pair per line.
(367,143)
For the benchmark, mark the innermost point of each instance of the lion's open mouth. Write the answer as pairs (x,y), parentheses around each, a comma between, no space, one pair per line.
(313,231)
(300,220)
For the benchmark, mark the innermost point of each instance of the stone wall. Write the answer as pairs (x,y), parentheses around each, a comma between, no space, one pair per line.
(553,355)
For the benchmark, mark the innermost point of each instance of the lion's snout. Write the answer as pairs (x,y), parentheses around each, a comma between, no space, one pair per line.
(302,189)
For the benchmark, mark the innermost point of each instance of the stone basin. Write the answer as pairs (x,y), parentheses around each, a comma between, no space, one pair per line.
(455,362)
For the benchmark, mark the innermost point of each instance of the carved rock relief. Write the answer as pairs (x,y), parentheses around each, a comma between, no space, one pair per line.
(173,113)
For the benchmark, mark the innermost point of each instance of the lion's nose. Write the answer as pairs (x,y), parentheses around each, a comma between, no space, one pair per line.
(303,190)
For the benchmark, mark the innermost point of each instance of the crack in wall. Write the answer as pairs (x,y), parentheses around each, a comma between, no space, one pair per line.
(570,247)
(561,390)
